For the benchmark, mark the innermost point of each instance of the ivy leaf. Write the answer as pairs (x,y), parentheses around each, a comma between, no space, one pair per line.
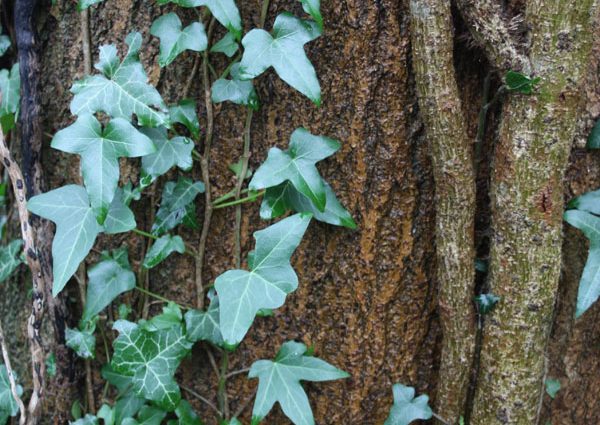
(279,381)
(406,407)
(224,11)
(107,280)
(552,387)
(83,342)
(283,49)
(589,286)
(227,45)
(122,90)
(176,204)
(313,8)
(76,229)
(121,382)
(589,202)
(174,40)
(204,325)
(185,113)
(162,248)
(237,91)
(148,416)
(10,258)
(594,137)
(120,218)
(243,293)
(297,165)
(279,199)
(4,43)
(8,404)
(171,316)
(151,359)
(185,415)
(86,420)
(486,302)
(51,365)
(84,4)
(517,82)
(10,88)
(169,153)
(100,151)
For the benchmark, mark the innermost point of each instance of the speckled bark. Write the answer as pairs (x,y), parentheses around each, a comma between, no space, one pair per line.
(451,152)
(531,156)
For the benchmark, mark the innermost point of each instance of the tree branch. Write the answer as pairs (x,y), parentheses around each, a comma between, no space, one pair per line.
(490,30)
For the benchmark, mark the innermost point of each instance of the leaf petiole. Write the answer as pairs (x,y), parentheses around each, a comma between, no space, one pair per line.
(188,249)
(250,198)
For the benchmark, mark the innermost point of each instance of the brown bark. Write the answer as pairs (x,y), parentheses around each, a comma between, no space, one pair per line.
(451,151)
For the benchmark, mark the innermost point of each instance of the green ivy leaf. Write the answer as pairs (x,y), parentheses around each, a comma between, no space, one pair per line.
(148,416)
(122,382)
(407,408)
(83,342)
(171,316)
(589,202)
(177,204)
(170,152)
(10,88)
(297,165)
(100,151)
(122,90)
(10,258)
(227,45)
(185,113)
(552,387)
(51,365)
(204,325)
(594,137)
(279,381)
(224,11)
(84,4)
(271,277)
(107,280)
(8,404)
(313,8)
(486,302)
(185,415)
(76,229)
(120,218)
(284,51)
(86,420)
(4,43)
(279,199)
(237,91)
(589,286)
(151,359)
(517,82)
(162,248)
(174,40)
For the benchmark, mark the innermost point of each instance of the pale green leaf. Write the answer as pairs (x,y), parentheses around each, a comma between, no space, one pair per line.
(10,89)
(100,150)
(120,218)
(407,408)
(76,229)
(10,258)
(174,40)
(235,90)
(185,113)
(589,285)
(122,90)
(486,302)
(279,199)
(177,204)
(151,359)
(552,387)
(313,8)
(186,415)
(283,49)
(227,45)
(297,165)
(517,82)
(279,381)
(83,342)
(169,153)
(204,325)
(84,4)
(4,44)
(86,420)
(148,415)
(51,365)
(171,316)
(8,404)
(271,277)
(594,137)
(106,281)
(162,248)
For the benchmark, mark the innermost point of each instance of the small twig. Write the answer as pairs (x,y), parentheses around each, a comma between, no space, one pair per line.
(86,41)
(238,189)
(11,377)
(238,372)
(250,198)
(160,297)
(212,361)
(192,76)
(89,385)
(245,404)
(439,418)
(202,399)
(188,249)
(222,387)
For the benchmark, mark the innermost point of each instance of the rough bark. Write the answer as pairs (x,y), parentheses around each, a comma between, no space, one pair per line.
(530,160)
(453,170)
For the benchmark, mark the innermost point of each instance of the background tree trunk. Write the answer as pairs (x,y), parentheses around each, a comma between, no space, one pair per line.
(367,298)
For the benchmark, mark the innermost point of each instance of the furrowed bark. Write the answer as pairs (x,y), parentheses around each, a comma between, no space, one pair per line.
(490,30)
(451,151)
(531,156)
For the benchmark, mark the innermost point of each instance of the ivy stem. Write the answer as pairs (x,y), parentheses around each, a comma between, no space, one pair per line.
(89,385)
(263,12)
(439,418)
(238,188)
(188,249)
(86,43)
(238,372)
(250,198)
(245,404)
(160,297)
(222,388)
(482,119)
(202,399)
(227,196)
(204,166)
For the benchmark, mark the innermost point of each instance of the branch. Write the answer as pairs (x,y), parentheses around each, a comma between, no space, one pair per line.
(11,378)
(453,171)
(486,22)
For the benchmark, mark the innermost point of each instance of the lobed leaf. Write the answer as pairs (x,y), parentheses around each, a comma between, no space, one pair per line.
(185,113)
(83,342)
(227,45)
(313,8)
(10,258)
(177,205)
(10,88)
(407,408)
(169,153)
(174,40)
(162,248)
(204,325)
